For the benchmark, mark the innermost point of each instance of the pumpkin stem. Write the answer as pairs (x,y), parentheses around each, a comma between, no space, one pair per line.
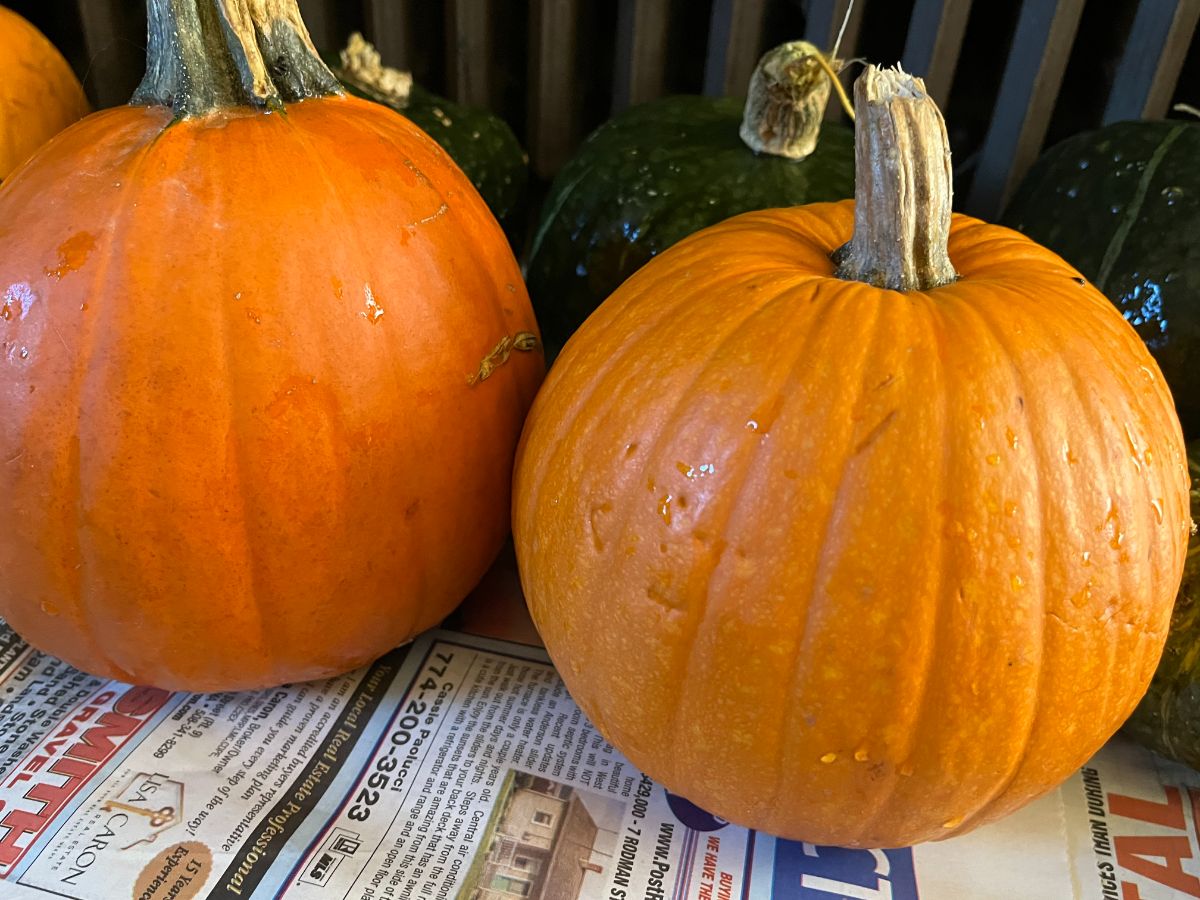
(903,186)
(205,55)
(786,100)
(362,67)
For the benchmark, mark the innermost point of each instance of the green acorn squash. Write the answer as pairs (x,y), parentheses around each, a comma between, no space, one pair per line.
(1168,718)
(660,171)
(1122,205)
(481,143)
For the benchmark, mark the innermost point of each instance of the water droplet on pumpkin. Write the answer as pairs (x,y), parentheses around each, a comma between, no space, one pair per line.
(1158,509)
(1068,454)
(953,823)
(693,472)
(1111,527)
(861,754)
(630,449)
(829,758)
(49,608)
(595,519)
(24,353)
(374,311)
(1148,456)
(18,300)
(83,307)
(72,254)
(664,508)
(1010,508)
(253,316)
(1013,440)
(1083,596)
(1172,193)
(993,459)
(1087,557)
(237,296)
(752,425)
(1017,581)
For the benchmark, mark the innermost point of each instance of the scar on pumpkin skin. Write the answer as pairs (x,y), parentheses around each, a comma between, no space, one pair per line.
(522,341)
(424,179)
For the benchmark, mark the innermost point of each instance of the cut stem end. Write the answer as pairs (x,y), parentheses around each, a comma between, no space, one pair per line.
(903,186)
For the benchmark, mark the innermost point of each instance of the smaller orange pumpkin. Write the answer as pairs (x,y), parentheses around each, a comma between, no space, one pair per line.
(39,93)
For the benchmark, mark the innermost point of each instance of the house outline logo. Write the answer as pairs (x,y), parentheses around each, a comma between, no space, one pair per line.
(340,845)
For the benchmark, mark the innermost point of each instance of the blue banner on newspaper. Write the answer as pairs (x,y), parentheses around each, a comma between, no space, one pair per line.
(808,872)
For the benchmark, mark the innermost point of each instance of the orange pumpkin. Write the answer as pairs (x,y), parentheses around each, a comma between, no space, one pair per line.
(263,369)
(855,564)
(39,93)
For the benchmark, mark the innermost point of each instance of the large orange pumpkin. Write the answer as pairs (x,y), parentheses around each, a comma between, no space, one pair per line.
(264,361)
(854,564)
(39,94)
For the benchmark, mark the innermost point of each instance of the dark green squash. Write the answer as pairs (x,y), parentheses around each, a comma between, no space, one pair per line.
(660,171)
(1122,205)
(482,144)
(1168,718)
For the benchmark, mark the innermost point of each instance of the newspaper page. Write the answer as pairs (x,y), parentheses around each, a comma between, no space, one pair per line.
(458,768)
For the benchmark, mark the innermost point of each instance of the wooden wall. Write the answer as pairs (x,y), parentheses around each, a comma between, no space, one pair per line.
(1011,75)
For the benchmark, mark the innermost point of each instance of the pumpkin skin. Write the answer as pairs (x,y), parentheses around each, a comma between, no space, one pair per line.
(482,144)
(1167,720)
(649,177)
(39,93)
(849,565)
(1122,204)
(242,447)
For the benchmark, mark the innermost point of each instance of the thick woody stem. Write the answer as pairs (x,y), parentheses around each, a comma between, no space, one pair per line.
(903,186)
(205,55)
(786,101)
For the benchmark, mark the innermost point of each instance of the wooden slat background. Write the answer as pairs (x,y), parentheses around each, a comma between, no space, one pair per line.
(1011,76)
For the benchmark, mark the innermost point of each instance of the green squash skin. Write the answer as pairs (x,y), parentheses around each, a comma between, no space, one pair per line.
(1168,718)
(650,177)
(481,143)
(1122,205)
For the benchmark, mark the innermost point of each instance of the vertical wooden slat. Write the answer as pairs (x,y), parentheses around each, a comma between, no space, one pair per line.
(641,51)
(321,18)
(391,26)
(114,66)
(825,18)
(469,51)
(1032,76)
(552,122)
(1153,56)
(735,37)
(935,36)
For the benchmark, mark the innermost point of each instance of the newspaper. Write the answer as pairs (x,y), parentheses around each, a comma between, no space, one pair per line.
(459,767)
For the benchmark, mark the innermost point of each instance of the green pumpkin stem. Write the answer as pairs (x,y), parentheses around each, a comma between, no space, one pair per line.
(786,100)
(903,186)
(205,55)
